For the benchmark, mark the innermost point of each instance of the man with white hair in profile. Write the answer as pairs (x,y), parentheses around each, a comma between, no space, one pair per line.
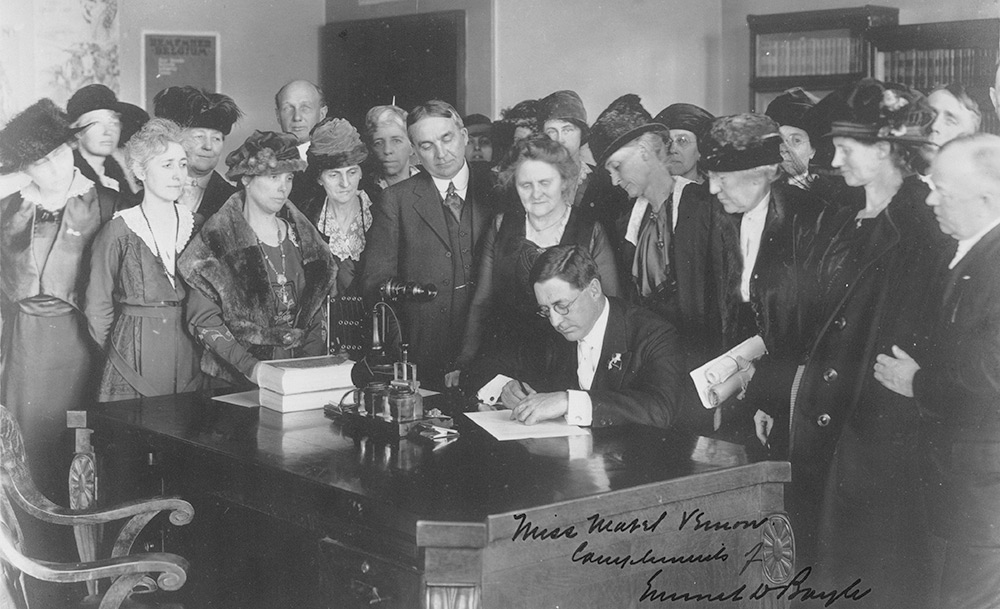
(957,381)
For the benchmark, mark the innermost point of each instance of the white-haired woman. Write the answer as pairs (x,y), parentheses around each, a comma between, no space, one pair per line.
(134,296)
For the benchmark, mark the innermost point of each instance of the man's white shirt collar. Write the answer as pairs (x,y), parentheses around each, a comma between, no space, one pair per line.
(303,147)
(751,229)
(460,180)
(964,245)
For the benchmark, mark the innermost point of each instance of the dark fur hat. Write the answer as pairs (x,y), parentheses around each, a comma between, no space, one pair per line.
(335,143)
(623,121)
(790,108)
(265,153)
(97,97)
(31,135)
(565,106)
(871,110)
(688,117)
(740,141)
(193,108)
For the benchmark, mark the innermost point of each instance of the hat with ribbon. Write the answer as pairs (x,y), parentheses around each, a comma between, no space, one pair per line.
(265,153)
(34,133)
(741,141)
(620,123)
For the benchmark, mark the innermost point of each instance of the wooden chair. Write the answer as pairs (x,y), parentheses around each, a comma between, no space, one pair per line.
(129,573)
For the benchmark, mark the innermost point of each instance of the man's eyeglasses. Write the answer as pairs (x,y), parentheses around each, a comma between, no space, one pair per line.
(562,309)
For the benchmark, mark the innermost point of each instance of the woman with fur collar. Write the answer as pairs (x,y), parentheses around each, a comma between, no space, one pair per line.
(46,231)
(259,270)
(134,296)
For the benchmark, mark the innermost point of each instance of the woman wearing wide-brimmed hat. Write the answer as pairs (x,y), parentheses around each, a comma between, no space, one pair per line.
(134,298)
(341,210)
(853,442)
(259,270)
(46,231)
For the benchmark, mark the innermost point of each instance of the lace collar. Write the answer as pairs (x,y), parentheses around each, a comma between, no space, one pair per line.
(136,222)
(78,187)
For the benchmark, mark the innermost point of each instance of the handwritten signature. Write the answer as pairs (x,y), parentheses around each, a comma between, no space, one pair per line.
(796,590)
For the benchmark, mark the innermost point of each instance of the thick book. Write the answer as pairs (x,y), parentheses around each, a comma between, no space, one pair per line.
(295,402)
(305,374)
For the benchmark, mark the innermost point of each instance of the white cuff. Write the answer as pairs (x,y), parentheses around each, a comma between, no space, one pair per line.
(579,409)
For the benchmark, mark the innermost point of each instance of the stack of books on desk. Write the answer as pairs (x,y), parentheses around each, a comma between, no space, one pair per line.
(291,385)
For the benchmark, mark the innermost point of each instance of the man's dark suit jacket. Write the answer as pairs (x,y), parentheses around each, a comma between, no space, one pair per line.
(958,388)
(639,376)
(409,241)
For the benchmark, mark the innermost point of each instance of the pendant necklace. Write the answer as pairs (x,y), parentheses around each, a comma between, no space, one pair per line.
(172,276)
(279,277)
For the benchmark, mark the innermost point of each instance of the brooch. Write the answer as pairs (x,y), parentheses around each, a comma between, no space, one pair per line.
(616,362)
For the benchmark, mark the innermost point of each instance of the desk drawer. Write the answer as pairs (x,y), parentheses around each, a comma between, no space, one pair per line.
(353,578)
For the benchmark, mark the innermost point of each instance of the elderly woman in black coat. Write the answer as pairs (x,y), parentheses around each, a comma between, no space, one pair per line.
(259,271)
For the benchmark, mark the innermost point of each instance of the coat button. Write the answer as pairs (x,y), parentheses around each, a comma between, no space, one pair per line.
(840,323)
(830,375)
(823,420)
(447,254)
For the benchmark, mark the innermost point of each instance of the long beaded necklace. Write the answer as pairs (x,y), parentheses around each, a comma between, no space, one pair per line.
(281,278)
(172,276)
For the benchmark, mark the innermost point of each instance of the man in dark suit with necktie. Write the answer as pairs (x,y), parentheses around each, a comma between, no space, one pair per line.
(619,363)
(957,380)
(427,229)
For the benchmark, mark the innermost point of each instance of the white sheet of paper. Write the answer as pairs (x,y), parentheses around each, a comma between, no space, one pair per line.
(501,427)
(248,399)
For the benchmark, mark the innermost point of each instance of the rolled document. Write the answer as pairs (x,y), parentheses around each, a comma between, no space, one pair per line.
(734,385)
(724,367)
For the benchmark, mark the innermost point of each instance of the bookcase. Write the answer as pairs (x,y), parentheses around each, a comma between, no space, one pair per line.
(927,55)
(823,50)
(816,50)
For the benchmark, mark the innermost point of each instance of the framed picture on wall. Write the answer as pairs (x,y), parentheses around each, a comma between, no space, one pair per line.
(177,59)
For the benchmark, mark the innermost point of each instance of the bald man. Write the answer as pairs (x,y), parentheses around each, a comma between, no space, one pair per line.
(299,106)
(957,385)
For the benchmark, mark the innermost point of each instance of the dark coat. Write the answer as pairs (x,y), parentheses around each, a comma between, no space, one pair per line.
(224,263)
(409,241)
(217,192)
(125,198)
(693,309)
(646,387)
(958,387)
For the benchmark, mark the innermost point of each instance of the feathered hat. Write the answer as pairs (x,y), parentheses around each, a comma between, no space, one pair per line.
(31,135)
(335,143)
(871,110)
(265,153)
(193,108)
(620,123)
(740,141)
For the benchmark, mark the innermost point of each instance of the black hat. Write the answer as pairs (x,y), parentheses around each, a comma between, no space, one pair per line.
(97,97)
(789,108)
(335,143)
(133,119)
(31,135)
(193,108)
(477,124)
(873,110)
(740,141)
(265,153)
(620,123)
(688,117)
(564,106)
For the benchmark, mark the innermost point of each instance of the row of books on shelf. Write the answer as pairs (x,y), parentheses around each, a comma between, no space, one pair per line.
(801,56)
(925,69)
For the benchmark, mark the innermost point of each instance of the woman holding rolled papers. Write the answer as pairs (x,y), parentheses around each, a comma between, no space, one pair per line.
(763,235)
(503,333)
(259,271)
(134,296)
(854,442)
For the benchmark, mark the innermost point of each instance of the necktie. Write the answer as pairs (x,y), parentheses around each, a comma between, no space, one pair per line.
(453,202)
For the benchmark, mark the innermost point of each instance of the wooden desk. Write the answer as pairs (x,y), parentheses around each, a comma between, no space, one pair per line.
(497,524)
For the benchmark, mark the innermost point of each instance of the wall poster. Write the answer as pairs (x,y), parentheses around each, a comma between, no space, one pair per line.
(176,59)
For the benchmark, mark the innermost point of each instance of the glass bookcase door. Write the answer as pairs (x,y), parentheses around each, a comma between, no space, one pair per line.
(818,52)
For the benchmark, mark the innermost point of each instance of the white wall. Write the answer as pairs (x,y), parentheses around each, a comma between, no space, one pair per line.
(263,43)
(736,36)
(663,50)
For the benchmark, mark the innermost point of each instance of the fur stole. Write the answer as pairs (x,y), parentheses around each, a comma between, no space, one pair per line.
(224,262)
